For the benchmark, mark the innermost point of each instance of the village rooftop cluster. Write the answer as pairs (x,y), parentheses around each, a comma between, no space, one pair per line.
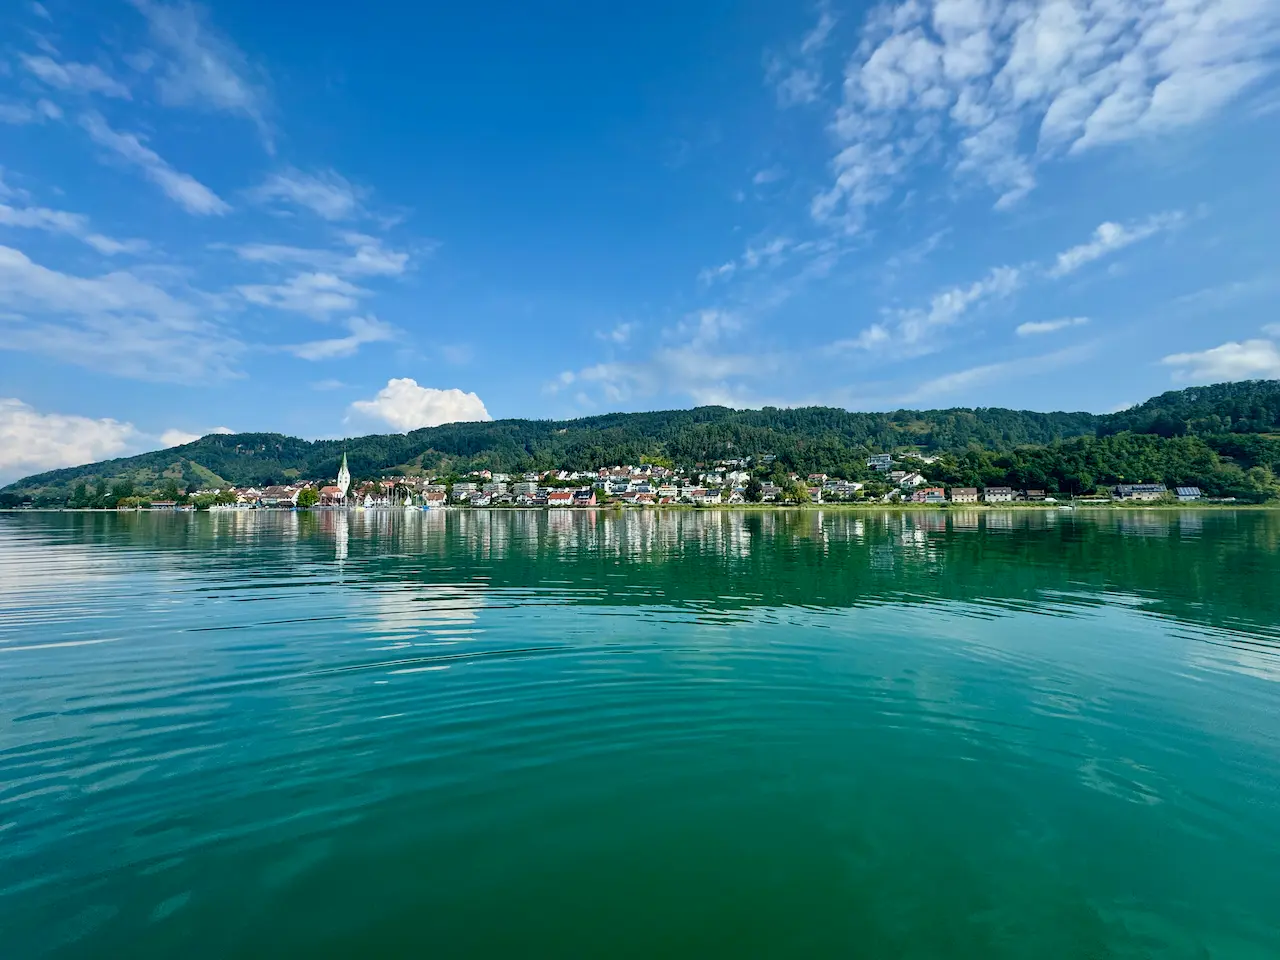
(725,482)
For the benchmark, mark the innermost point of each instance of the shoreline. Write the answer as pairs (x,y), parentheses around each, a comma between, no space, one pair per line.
(1066,506)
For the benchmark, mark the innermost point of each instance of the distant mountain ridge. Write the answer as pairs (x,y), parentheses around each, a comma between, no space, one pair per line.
(807,439)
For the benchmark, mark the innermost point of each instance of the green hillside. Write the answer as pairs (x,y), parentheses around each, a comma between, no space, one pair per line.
(1228,422)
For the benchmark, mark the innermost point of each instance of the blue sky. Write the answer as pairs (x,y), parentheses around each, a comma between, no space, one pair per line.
(304,219)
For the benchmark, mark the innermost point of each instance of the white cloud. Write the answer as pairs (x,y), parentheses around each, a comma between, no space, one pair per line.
(189,193)
(690,361)
(32,442)
(18,113)
(200,67)
(315,294)
(768,175)
(362,330)
(177,438)
(948,306)
(1034,327)
(327,194)
(796,77)
(722,272)
(406,406)
(328,384)
(1108,238)
(1272,329)
(991,90)
(366,257)
(72,224)
(116,323)
(619,334)
(1252,359)
(79,77)
(39,10)
(953,383)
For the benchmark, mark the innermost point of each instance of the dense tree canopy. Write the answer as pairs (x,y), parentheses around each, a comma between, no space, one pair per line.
(1215,437)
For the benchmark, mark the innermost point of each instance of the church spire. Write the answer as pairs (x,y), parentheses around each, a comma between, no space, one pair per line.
(344,477)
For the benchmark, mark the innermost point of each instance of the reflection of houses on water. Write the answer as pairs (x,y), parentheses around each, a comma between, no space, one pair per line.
(1143,523)
(964,520)
(1000,520)
(1191,523)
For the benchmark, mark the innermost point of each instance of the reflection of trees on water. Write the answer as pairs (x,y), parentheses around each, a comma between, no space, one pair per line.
(1215,567)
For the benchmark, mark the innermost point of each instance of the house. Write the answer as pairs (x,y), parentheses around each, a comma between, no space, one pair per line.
(560,498)
(815,494)
(480,499)
(464,487)
(912,480)
(1140,491)
(584,498)
(435,488)
(494,487)
(817,479)
(276,496)
(330,495)
(770,492)
(164,504)
(1188,493)
(709,498)
(964,494)
(434,498)
(998,495)
(882,462)
(1033,495)
(929,495)
(668,491)
(737,497)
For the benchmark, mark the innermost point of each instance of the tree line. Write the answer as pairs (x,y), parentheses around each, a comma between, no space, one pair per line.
(1221,438)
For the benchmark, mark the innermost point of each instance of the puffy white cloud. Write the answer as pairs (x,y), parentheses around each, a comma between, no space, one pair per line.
(177,438)
(199,67)
(72,224)
(316,294)
(80,77)
(406,406)
(991,90)
(1034,327)
(327,194)
(116,323)
(1108,238)
(362,330)
(1249,360)
(185,190)
(32,442)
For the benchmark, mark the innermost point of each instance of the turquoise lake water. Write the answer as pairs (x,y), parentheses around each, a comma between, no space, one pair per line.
(966,734)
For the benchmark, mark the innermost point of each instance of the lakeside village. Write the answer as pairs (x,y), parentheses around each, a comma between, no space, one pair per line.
(727,482)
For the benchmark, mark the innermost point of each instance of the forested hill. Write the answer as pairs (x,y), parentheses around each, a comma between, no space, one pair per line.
(805,439)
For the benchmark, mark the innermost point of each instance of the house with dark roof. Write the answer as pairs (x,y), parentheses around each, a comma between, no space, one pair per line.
(1186,494)
(1140,491)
